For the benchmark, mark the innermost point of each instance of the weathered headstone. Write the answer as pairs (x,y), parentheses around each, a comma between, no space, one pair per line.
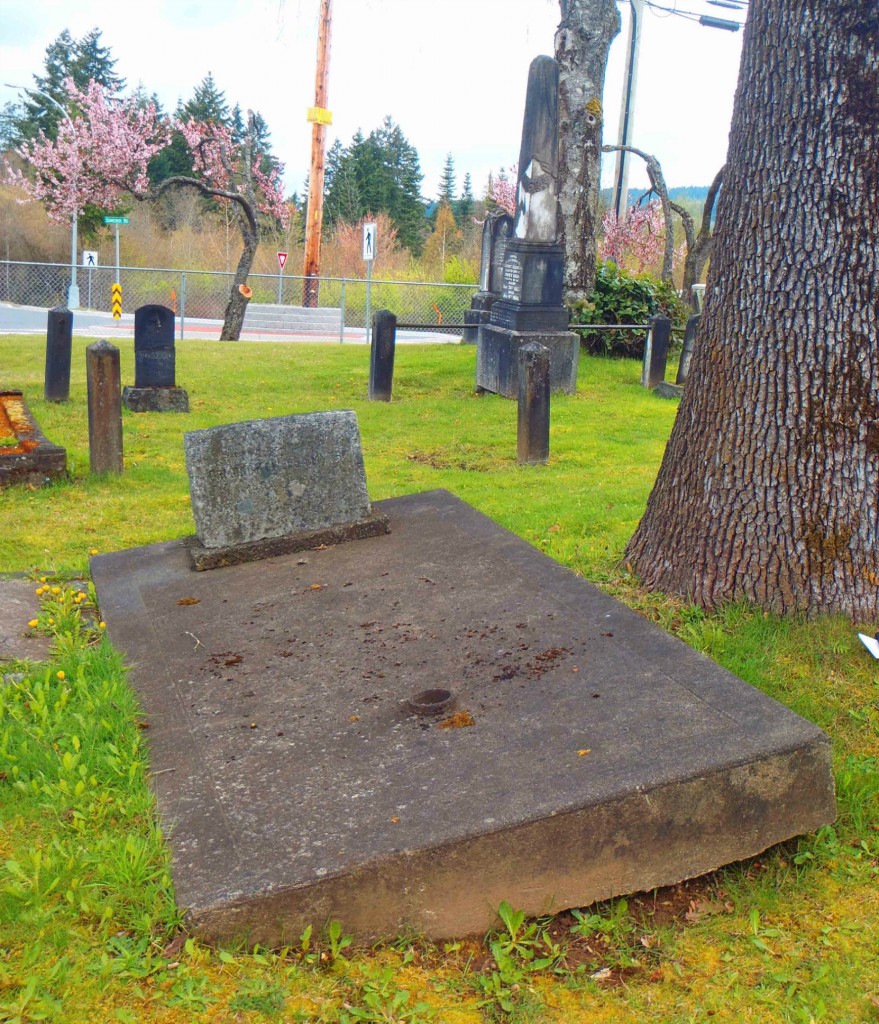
(531,306)
(533,418)
(381,356)
(155,388)
(59,332)
(687,351)
(26,456)
(656,351)
(269,487)
(104,407)
(495,232)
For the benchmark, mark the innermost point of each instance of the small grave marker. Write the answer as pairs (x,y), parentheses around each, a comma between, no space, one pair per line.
(266,487)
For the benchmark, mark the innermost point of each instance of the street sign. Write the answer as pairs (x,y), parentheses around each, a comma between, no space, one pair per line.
(369,242)
(115,220)
(282,259)
(116,300)
(89,258)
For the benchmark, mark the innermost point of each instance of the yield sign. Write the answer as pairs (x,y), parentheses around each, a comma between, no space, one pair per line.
(282,259)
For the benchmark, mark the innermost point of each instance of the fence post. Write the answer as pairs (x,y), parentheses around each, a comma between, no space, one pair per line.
(58,342)
(342,324)
(533,412)
(104,407)
(182,301)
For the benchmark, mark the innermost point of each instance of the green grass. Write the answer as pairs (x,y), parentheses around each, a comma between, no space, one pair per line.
(88,927)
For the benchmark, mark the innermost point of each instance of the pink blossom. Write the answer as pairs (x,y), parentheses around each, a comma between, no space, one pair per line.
(636,241)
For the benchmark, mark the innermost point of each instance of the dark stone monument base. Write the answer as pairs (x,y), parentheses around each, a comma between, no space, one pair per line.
(155,399)
(497,359)
(216,558)
(475,317)
(296,786)
(666,390)
(26,455)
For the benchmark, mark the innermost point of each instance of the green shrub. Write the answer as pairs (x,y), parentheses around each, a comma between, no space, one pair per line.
(623,298)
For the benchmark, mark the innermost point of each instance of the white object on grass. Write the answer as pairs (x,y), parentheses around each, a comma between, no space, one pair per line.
(871,643)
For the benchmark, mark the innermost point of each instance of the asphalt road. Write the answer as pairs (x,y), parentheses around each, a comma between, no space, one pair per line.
(91,324)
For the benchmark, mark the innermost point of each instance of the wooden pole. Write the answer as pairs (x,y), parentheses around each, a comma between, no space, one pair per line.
(320,118)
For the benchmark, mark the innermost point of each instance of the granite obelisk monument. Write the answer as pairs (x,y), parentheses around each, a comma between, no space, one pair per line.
(530,307)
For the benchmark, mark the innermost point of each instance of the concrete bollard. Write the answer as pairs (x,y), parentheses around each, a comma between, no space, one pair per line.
(533,412)
(381,356)
(59,336)
(656,351)
(687,350)
(104,407)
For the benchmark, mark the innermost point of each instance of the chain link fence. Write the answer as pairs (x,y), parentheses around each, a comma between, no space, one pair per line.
(203,294)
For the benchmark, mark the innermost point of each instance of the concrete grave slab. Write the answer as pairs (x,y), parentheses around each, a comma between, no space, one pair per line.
(582,752)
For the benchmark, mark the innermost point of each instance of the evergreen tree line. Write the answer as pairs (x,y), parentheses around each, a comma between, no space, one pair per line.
(377,173)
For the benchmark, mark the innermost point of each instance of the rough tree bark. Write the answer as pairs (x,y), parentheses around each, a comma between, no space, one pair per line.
(582,41)
(767,490)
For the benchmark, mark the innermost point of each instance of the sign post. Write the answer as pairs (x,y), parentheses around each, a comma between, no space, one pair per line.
(369,234)
(282,259)
(116,287)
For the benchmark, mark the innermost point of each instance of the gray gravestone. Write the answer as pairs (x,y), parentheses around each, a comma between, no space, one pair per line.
(496,229)
(264,487)
(687,350)
(531,306)
(155,387)
(656,351)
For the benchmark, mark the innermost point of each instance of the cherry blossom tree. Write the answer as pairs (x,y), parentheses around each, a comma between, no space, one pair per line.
(101,154)
(502,190)
(636,241)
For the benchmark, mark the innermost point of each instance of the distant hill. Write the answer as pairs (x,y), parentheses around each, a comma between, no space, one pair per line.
(686,193)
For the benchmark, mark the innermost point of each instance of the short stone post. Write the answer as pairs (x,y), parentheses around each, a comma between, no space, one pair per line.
(656,351)
(59,334)
(533,420)
(105,407)
(687,350)
(381,356)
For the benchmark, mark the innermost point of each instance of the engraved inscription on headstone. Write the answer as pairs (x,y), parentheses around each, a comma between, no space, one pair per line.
(512,277)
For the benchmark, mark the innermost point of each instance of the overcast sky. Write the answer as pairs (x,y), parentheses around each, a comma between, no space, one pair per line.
(451,73)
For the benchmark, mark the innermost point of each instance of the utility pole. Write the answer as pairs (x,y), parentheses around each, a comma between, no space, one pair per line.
(627,112)
(320,117)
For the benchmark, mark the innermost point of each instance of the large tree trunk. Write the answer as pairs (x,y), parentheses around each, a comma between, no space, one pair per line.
(768,488)
(582,42)
(239,296)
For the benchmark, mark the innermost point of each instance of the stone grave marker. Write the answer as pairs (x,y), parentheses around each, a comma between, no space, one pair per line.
(155,387)
(267,487)
(59,338)
(687,350)
(495,231)
(531,306)
(26,454)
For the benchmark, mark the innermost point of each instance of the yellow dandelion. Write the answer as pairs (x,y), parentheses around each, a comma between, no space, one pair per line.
(60,674)
(44,579)
(93,551)
(56,590)
(102,625)
(33,623)
(38,591)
